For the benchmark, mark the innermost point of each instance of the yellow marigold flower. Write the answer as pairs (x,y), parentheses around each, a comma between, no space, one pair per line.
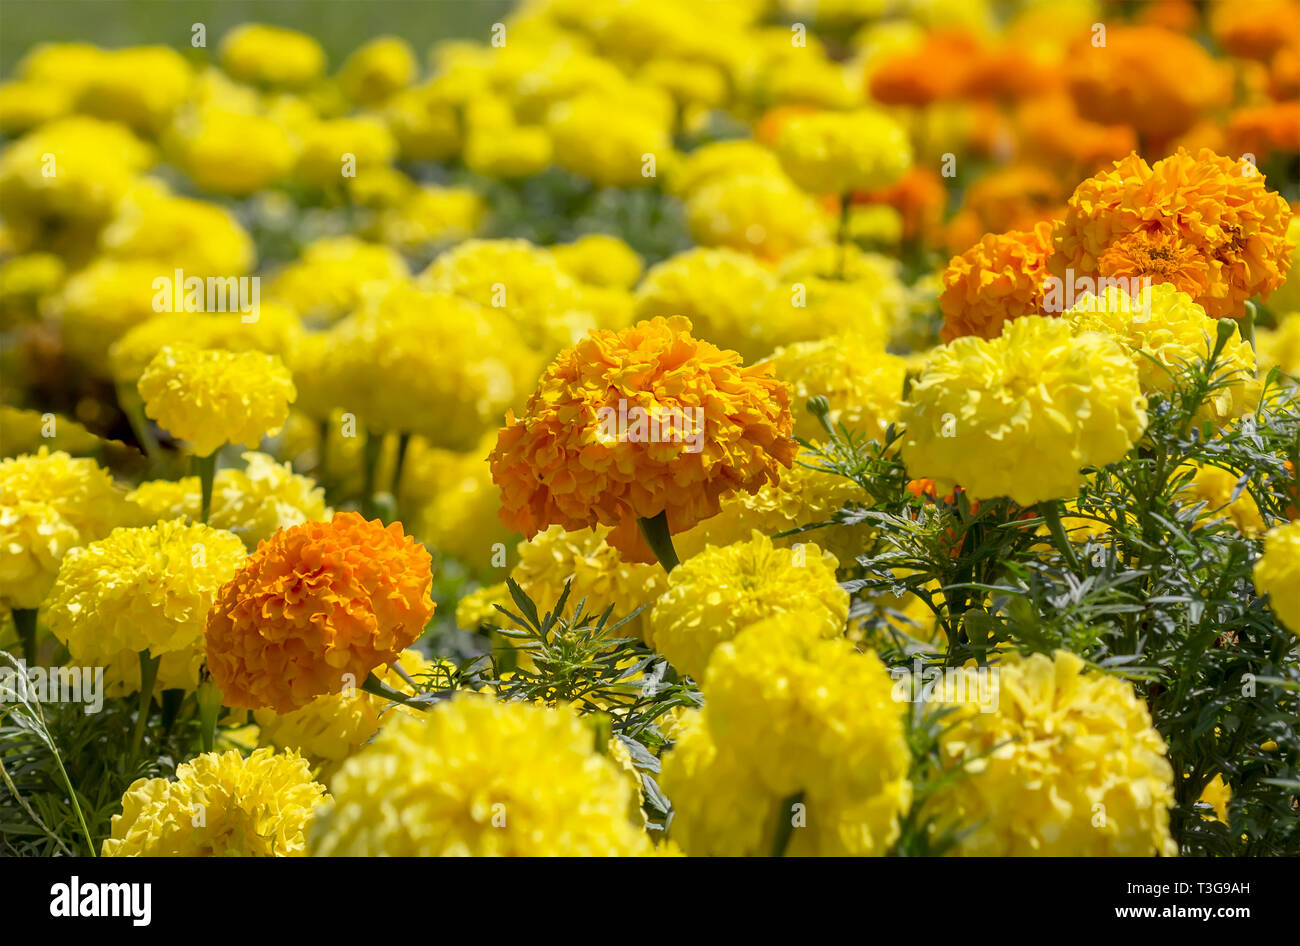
(334,726)
(334,275)
(139,86)
(998,279)
(862,382)
(1277,573)
(1203,222)
(478,608)
(24,431)
(220,805)
(24,280)
(451,367)
(429,216)
(874,277)
(1153,79)
(479,777)
(511,152)
(378,69)
(720,160)
(339,148)
(523,281)
(1214,486)
(842,152)
(1068,765)
(599,260)
(1217,794)
(1021,414)
(50,504)
(804,308)
(713,596)
(566,461)
(460,507)
(1281,345)
(253,503)
(723,292)
(719,809)
(314,604)
(271,55)
(602,139)
(1287,298)
(94,164)
(277,331)
(803,496)
(427,120)
(1166,330)
(764,215)
(812,715)
(229,150)
(194,236)
(100,303)
(211,396)
(142,589)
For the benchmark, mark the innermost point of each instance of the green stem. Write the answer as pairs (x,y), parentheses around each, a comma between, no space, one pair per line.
(655,531)
(784,824)
(403,442)
(323,451)
(206,470)
(1052,516)
(76,805)
(25,622)
(133,408)
(843,238)
(371,452)
(148,676)
(209,697)
(376,687)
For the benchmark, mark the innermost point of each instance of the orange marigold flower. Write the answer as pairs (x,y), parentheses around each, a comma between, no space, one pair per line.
(1153,79)
(1052,127)
(314,603)
(1205,223)
(1263,130)
(997,280)
(1255,30)
(1284,72)
(1012,198)
(919,196)
(584,452)
(936,71)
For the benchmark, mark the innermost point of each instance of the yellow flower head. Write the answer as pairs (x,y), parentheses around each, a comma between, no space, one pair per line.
(220,805)
(209,397)
(583,452)
(479,777)
(602,139)
(322,162)
(599,259)
(378,69)
(765,215)
(842,152)
(142,589)
(228,150)
(1020,415)
(1277,573)
(1203,222)
(1214,486)
(1068,764)
(716,594)
(1166,330)
(271,56)
(254,503)
(510,152)
(199,238)
(50,504)
(139,86)
(334,275)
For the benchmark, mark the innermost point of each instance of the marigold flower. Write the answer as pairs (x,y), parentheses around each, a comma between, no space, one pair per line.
(146,589)
(209,397)
(1277,573)
(254,503)
(1217,794)
(99,304)
(1257,31)
(220,805)
(324,143)
(997,280)
(1166,330)
(1021,414)
(1205,223)
(315,604)
(334,275)
(1063,741)
(377,69)
(229,150)
(271,55)
(838,152)
(600,138)
(1214,486)
(475,776)
(566,462)
(200,238)
(50,504)
(599,259)
(766,215)
(713,596)
(1266,130)
(1158,81)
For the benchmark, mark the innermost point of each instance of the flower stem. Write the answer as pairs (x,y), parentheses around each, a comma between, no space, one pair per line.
(843,237)
(209,697)
(206,469)
(1052,516)
(25,622)
(655,531)
(376,687)
(148,676)
(784,824)
(370,460)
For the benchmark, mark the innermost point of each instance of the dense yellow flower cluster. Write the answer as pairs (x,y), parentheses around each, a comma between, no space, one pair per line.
(836,153)
(208,397)
(475,776)
(1022,414)
(1068,765)
(220,805)
(142,589)
(714,595)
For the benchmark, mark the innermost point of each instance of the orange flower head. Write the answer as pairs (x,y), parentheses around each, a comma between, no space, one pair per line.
(1203,222)
(938,70)
(997,280)
(1255,30)
(314,604)
(629,424)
